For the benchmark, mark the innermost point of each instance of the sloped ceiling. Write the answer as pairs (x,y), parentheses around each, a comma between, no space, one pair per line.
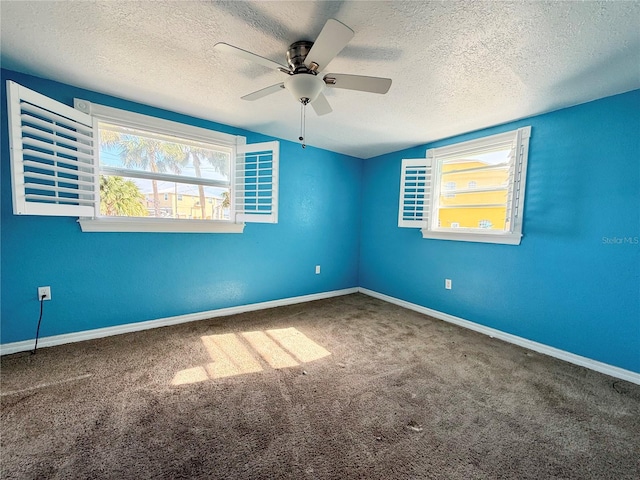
(456,66)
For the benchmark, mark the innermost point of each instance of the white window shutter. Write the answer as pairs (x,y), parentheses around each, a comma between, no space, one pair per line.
(256,195)
(52,156)
(415,193)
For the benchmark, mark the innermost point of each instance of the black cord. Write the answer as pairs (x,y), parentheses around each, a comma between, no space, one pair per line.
(39,320)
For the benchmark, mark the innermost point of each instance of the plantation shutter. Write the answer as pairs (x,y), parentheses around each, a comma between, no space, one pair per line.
(415,193)
(256,196)
(517,160)
(52,158)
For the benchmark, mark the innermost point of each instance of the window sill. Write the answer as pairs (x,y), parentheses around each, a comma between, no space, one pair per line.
(116,224)
(501,238)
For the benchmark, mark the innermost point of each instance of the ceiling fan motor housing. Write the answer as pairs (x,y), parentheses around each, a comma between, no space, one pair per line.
(296,55)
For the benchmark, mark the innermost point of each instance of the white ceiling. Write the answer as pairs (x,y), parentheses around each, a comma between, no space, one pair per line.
(456,66)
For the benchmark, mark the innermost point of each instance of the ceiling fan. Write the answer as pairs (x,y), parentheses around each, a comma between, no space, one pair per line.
(306,60)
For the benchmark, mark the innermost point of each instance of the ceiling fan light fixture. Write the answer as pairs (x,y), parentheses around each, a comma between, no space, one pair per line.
(305,87)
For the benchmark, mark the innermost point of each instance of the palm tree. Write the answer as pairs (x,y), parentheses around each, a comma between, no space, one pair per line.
(146,153)
(226,199)
(198,156)
(121,197)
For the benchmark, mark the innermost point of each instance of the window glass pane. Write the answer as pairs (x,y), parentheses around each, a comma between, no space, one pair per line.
(136,197)
(474,199)
(474,190)
(486,218)
(144,151)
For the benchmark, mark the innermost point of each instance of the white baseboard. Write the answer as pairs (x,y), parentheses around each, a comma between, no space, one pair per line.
(51,341)
(605,368)
(26,345)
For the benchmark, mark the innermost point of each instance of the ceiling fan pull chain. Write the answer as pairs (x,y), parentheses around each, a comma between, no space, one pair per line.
(303,117)
(301,138)
(304,124)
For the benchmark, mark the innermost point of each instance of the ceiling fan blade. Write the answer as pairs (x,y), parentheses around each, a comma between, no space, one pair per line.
(225,47)
(264,92)
(321,105)
(332,39)
(358,82)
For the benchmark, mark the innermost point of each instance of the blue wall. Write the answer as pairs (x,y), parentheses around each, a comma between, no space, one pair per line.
(105,279)
(570,284)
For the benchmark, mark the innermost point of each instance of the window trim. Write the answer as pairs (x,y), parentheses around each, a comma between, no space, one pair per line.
(156,124)
(471,235)
(166,225)
(100,223)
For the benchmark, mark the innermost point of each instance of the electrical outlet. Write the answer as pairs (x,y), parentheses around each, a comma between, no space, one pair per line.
(447,283)
(44,292)
(317,269)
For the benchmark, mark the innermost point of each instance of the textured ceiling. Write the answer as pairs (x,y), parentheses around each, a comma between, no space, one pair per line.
(456,66)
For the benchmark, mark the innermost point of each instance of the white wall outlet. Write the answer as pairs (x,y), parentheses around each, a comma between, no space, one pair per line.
(447,283)
(44,292)
(317,269)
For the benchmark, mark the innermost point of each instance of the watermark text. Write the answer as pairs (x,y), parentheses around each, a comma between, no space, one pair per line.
(620,240)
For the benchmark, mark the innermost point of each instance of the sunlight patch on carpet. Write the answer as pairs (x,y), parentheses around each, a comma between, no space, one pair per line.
(270,351)
(298,344)
(190,375)
(238,354)
(230,356)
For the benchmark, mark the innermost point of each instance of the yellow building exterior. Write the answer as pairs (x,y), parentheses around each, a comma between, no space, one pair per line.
(172,205)
(463,204)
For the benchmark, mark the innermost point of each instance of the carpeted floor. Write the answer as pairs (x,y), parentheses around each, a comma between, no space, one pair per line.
(343,388)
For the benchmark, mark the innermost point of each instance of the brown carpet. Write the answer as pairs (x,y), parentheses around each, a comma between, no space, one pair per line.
(343,388)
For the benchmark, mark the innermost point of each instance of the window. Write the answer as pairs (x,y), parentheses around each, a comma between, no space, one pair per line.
(448,188)
(488,209)
(121,171)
